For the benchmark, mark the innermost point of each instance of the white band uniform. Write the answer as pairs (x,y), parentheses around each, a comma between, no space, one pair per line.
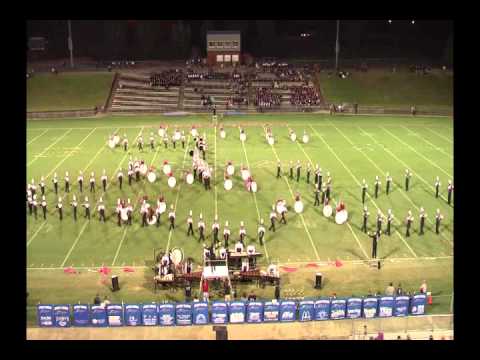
(172,181)
(305,138)
(298,207)
(243,137)
(223,135)
(293,136)
(271,140)
(143,169)
(230,170)
(189,179)
(228,184)
(245,174)
(167,169)
(151,176)
(253,186)
(327,210)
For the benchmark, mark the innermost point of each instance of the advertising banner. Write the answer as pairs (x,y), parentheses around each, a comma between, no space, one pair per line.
(132,314)
(219,313)
(45,315)
(338,309)
(306,310)
(254,312)
(81,315)
(166,314)
(150,314)
(115,315)
(418,304)
(370,307)
(288,310)
(401,305)
(385,306)
(98,314)
(236,311)
(183,314)
(61,315)
(200,313)
(271,311)
(322,309)
(354,308)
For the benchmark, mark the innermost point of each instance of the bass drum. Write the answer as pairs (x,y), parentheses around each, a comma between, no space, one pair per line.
(172,182)
(327,211)
(305,139)
(253,186)
(341,217)
(167,169)
(151,177)
(293,137)
(230,170)
(298,207)
(176,255)
(189,179)
(153,220)
(223,135)
(243,137)
(271,140)
(228,184)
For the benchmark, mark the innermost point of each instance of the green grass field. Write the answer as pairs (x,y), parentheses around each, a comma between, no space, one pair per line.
(68,91)
(384,88)
(350,148)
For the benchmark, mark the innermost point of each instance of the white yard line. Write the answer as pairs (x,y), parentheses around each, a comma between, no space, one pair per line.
(428,142)
(383,172)
(255,201)
(359,185)
(48,147)
(178,193)
(414,150)
(36,137)
(402,162)
(348,224)
(36,232)
(439,135)
(301,215)
(102,148)
(75,243)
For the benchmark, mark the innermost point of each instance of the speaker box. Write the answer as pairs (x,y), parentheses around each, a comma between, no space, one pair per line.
(318,280)
(220,332)
(115,286)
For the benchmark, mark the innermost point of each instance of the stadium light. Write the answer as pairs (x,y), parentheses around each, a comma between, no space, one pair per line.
(389,21)
(413,21)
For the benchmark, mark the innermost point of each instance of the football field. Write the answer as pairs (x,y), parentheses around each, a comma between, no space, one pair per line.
(350,148)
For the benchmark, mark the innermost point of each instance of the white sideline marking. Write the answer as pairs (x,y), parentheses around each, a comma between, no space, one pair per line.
(255,199)
(427,159)
(48,147)
(402,162)
(301,215)
(439,135)
(36,232)
(36,137)
(401,192)
(428,142)
(358,183)
(348,224)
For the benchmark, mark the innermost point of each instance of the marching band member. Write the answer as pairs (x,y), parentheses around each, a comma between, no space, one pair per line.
(279,169)
(42,185)
(125,142)
(59,207)
(291,169)
(242,232)
(226,234)
(223,253)
(316,193)
(190,224)
(92,182)
(80,181)
(67,182)
(152,141)
(171,216)
(422,217)
(130,163)
(183,139)
(364,190)
(86,205)
(239,247)
(409,222)
(319,175)
(44,207)
(174,138)
(273,218)
(389,181)
(450,192)
(408,175)
(328,190)
(437,186)
(55,183)
(74,205)
(379,220)
(118,210)
(34,205)
(324,191)
(261,231)
(201,228)
(375,237)
(144,211)
(365,219)
(215,229)
(101,210)
(129,212)
(316,171)
(29,201)
(309,170)
(136,168)
(104,181)
(33,187)
(377,186)
(120,178)
(298,167)
(140,142)
(157,209)
(130,176)
(389,221)
(165,140)
(438,218)
(283,219)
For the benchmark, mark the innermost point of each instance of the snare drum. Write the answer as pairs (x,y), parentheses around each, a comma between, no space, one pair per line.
(167,169)
(327,210)
(151,176)
(172,181)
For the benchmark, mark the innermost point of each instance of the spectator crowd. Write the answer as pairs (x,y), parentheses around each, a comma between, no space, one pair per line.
(303,95)
(265,98)
(166,78)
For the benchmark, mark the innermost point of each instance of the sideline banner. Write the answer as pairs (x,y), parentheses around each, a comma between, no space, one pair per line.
(418,304)
(322,309)
(61,315)
(166,314)
(370,307)
(200,313)
(338,308)
(45,315)
(219,313)
(306,310)
(271,311)
(81,315)
(385,306)
(236,311)
(183,314)
(354,308)
(288,310)
(132,315)
(255,312)
(98,315)
(401,305)
(149,314)
(115,315)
